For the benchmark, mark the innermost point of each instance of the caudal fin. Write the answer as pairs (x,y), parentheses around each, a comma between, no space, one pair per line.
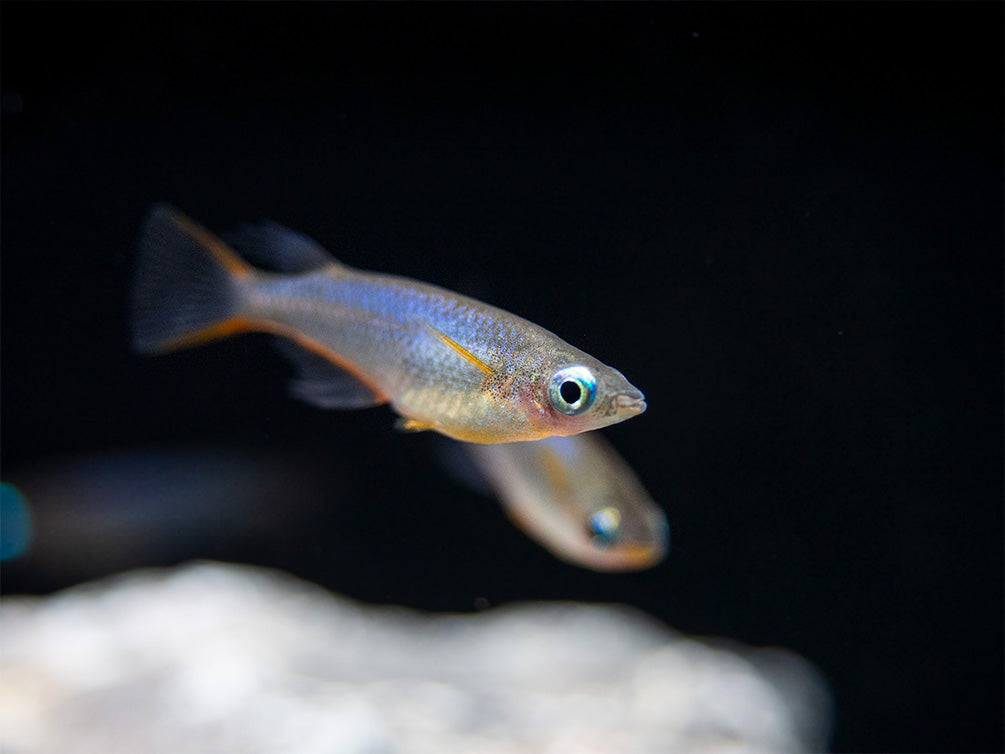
(187,284)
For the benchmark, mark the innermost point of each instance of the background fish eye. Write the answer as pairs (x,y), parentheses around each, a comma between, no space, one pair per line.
(603,526)
(572,390)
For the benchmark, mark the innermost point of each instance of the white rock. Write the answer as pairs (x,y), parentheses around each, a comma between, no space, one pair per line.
(221,658)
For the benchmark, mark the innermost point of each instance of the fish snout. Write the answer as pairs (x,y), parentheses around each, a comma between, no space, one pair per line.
(632,404)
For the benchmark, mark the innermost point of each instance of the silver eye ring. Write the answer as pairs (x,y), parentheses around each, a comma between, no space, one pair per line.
(572,390)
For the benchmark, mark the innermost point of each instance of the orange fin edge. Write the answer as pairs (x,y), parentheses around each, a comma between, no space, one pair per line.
(223,254)
(223,329)
(240,324)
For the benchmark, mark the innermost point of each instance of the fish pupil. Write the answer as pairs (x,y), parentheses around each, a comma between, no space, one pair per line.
(570,391)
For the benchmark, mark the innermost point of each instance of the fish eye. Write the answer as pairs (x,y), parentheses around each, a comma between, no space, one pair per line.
(572,390)
(603,526)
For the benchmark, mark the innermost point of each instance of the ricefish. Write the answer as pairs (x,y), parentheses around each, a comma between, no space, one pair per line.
(443,361)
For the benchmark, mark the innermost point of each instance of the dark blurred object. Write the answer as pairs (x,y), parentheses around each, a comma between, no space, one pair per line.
(92,515)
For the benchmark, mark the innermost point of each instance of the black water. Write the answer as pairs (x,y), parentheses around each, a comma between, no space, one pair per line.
(783,223)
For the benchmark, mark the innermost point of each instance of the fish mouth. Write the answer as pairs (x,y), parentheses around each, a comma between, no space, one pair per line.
(630,404)
(634,557)
(644,556)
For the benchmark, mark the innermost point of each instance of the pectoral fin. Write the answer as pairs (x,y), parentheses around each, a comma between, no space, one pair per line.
(460,350)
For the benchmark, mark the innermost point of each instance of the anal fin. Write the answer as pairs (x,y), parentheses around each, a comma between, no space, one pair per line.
(325,383)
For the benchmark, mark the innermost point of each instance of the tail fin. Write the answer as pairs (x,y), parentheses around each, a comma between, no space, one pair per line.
(187,285)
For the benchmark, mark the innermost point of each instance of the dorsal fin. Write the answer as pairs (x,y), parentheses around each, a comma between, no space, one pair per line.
(324,383)
(278,248)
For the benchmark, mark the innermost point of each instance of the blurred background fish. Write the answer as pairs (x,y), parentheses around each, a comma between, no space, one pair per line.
(579,498)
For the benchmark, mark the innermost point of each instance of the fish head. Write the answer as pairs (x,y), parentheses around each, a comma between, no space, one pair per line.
(579,499)
(610,539)
(618,537)
(578,393)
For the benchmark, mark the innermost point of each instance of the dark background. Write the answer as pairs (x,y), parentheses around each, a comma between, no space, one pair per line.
(783,223)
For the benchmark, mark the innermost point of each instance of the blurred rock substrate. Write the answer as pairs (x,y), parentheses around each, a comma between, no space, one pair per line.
(222,658)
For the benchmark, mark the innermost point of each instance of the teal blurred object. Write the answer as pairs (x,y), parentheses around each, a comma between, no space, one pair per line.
(15,522)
